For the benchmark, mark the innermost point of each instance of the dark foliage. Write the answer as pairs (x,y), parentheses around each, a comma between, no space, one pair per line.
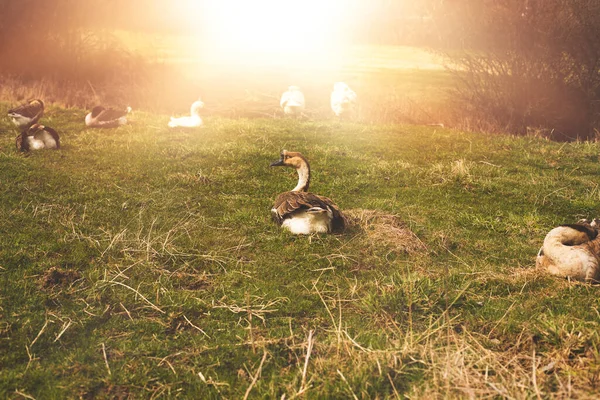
(61,39)
(525,64)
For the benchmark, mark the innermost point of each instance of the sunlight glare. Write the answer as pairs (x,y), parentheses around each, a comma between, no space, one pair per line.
(272,31)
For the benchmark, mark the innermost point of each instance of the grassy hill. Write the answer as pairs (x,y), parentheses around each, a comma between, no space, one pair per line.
(141,262)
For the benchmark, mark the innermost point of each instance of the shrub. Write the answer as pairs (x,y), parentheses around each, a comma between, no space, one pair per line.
(523,64)
(63,43)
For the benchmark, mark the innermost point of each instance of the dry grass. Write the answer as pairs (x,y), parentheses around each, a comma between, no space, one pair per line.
(456,361)
(385,229)
(188,290)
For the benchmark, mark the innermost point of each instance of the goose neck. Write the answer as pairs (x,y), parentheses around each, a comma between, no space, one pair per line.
(303,178)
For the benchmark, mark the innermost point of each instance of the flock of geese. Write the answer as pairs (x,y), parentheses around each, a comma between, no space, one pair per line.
(571,251)
(34,136)
(297,210)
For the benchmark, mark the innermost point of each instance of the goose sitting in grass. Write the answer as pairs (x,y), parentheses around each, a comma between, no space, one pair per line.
(302,212)
(27,114)
(292,101)
(192,121)
(343,99)
(572,251)
(101,117)
(38,137)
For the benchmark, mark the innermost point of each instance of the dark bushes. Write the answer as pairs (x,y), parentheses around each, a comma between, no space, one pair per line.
(525,65)
(64,44)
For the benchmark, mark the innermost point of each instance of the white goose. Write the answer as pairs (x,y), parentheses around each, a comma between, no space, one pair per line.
(572,251)
(302,212)
(192,121)
(27,114)
(292,101)
(38,137)
(101,117)
(343,99)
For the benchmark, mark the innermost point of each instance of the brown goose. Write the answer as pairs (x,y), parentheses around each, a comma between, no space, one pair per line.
(572,251)
(38,137)
(101,117)
(302,212)
(27,114)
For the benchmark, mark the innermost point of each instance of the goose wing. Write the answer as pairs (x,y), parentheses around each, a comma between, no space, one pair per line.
(34,108)
(296,99)
(110,114)
(54,135)
(42,133)
(339,98)
(350,95)
(289,202)
(285,97)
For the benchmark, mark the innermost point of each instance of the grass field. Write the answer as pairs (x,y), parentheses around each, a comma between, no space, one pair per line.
(141,262)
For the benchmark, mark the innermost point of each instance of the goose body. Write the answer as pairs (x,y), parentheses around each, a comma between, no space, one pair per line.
(38,137)
(292,101)
(300,211)
(343,99)
(27,114)
(192,121)
(572,251)
(101,117)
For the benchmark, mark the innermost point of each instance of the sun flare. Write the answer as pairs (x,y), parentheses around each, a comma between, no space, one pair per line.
(270,29)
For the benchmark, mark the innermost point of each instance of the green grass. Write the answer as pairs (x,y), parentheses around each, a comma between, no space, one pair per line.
(170,280)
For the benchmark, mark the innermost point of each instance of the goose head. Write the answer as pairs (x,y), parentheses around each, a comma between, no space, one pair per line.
(290,159)
(295,160)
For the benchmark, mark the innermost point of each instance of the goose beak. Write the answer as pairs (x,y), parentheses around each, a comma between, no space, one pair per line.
(278,163)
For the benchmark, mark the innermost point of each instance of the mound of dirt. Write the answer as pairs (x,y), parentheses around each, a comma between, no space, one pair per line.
(385,229)
(58,277)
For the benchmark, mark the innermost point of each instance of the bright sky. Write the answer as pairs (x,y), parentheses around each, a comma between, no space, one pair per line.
(274,31)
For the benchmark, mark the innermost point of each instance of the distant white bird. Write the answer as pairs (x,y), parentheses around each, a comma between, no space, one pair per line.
(38,137)
(292,101)
(27,114)
(102,117)
(193,121)
(343,99)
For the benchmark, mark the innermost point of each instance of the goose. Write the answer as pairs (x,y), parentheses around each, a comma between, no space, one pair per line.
(292,101)
(38,137)
(102,117)
(572,251)
(192,121)
(300,211)
(343,99)
(27,114)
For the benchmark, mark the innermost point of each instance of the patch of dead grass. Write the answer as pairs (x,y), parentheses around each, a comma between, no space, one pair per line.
(385,229)
(187,281)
